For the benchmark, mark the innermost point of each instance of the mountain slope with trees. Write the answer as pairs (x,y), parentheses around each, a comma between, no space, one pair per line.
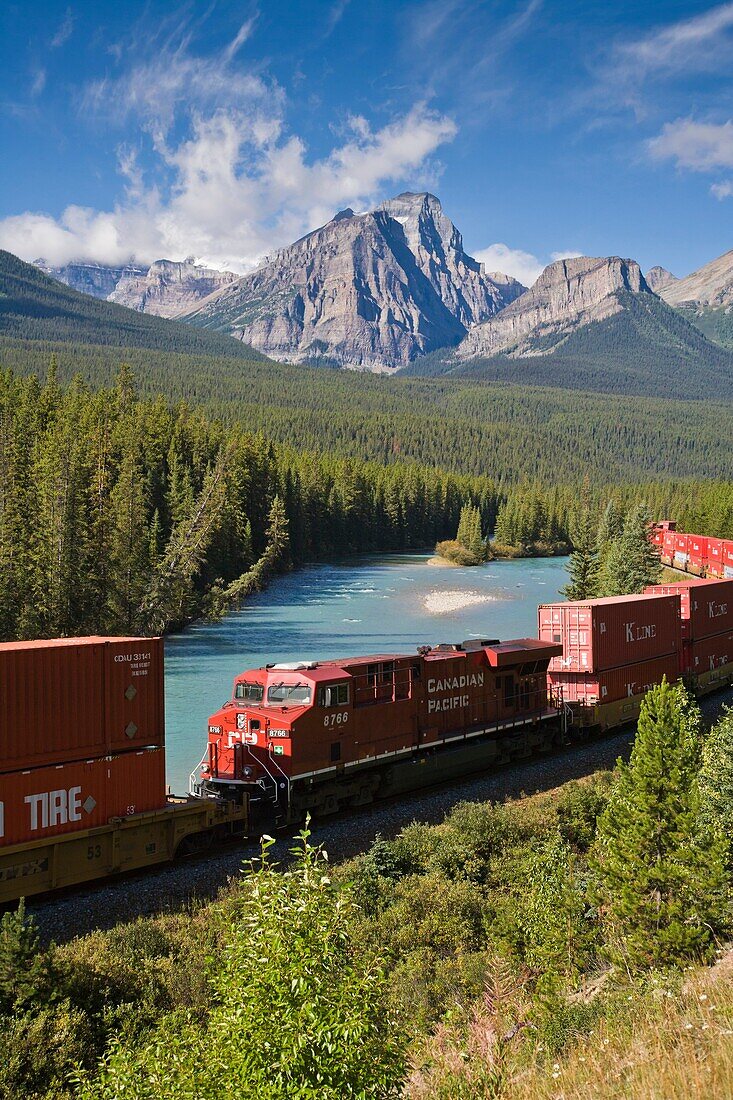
(35,307)
(645,348)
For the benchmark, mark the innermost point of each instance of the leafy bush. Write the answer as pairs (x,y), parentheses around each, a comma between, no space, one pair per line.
(454,551)
(579,809)
(296,1014)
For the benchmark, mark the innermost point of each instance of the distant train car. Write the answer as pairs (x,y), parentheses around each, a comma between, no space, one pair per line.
(325,734)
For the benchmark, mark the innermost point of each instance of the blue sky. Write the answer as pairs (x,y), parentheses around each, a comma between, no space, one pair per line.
(226,129)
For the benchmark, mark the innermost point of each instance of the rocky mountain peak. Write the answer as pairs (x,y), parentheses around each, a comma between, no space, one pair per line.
(168,287)
(711,285)
(370,290)
(568,295)
(657,277)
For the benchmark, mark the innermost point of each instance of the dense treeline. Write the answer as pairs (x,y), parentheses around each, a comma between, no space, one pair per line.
(35,307)
(124,515)
(120,514)
(510,432)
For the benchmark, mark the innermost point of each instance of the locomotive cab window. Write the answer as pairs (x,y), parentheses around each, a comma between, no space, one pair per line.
(333,695)
(289,695)
(251,693)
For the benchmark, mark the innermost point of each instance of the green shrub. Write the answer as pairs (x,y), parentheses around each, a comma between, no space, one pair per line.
(475,835)
(579,809)
(454,552)
(433,912)
(297,1013)
(40,1049)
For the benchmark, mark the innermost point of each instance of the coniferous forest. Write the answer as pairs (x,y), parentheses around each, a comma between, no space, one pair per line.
(123,515)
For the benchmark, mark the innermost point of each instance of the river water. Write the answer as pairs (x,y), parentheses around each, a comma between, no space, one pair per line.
(384,603)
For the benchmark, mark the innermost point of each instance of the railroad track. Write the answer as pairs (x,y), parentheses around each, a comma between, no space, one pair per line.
(173,887)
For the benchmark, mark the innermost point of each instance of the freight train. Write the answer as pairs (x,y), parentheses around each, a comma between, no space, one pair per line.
(82,746)
(697,554)
(319,736)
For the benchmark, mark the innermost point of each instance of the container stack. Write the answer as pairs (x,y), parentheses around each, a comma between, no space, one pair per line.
(82,734)
(614,650)
(707,629)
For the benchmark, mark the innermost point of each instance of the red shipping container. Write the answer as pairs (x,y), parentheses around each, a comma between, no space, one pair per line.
(698,554)
(706,606)
(134,693)
(707,654)
(74,698)
(613,684)
(715,558)
(681,550)
(49,801)
(668,545)
(608,633)
(728,558)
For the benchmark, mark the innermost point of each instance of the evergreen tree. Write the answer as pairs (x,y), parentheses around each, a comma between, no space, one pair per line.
(469,534)
(278,537)
(25,975)
(716,778)
(583,566)
(631,562)
(661,880)
(611,525)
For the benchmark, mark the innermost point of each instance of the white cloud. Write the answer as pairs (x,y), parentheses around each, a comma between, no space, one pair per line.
(521,265)
(722,190)
(689,44)
(699,146)
(214,171)
(649,72)
(240,188)
(39,82)
(63,34)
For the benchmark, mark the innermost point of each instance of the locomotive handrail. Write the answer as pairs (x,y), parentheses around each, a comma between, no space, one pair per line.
(195,786)
(260,761)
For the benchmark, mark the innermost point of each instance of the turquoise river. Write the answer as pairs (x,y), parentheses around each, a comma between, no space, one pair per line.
(385,603)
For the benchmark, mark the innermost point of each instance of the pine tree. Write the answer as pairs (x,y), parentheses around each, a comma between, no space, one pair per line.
(610,527)
(25,974)
(278,538)
(583,566)
(716,778)
(470,534)
(631,562)
(661,879)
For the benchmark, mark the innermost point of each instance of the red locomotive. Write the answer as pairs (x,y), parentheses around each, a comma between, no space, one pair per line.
(322,735)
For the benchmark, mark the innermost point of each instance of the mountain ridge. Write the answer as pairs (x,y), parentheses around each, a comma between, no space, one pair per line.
(36,307)
(371,291)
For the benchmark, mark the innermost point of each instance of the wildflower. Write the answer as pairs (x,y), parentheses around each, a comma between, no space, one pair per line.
(688,1026)
(556,1075)
(703,996)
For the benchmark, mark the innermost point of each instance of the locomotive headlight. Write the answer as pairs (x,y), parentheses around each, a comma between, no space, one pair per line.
(247,771)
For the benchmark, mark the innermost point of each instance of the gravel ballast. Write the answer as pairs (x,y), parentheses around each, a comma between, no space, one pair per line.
(175,886)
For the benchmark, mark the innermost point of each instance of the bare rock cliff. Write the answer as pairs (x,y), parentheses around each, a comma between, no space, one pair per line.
(371,291)
(657,277)
(168,287)
(711,285)
(97,280)
(568,295)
